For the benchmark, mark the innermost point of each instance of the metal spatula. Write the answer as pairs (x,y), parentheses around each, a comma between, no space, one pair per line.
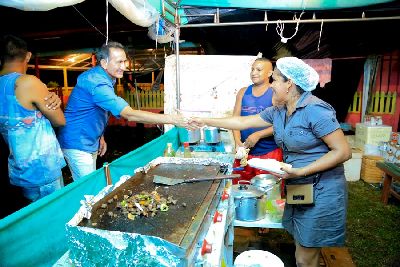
(158,179)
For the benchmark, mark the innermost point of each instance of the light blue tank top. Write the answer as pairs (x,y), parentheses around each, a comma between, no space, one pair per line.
(35,156)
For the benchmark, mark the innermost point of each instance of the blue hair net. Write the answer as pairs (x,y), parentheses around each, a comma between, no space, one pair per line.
(299,72)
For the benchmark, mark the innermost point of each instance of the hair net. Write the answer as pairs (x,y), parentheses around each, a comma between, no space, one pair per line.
(299,72)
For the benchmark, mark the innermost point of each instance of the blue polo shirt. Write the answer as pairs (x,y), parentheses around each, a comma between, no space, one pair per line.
(87,112)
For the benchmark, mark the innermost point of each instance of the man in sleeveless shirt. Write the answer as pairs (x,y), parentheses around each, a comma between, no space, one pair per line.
(252,100)
(26,121)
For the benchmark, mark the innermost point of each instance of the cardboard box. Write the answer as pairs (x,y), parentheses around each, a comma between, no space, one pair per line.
(371,134)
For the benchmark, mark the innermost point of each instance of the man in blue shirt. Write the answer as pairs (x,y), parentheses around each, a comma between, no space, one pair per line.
(89,105)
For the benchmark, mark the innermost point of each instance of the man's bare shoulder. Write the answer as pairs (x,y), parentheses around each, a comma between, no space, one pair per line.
(29,90)
(30,84)
(29,80)
(241,92)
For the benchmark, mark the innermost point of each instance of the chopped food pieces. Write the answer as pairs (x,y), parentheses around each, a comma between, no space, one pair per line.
(142,204)
(163,207)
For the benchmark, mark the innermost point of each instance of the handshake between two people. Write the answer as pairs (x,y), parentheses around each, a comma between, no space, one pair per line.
(188,122)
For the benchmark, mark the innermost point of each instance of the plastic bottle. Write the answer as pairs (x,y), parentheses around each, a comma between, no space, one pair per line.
(169,151)
(186,150)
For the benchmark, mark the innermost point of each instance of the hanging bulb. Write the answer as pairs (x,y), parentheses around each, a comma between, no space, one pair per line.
(313,16)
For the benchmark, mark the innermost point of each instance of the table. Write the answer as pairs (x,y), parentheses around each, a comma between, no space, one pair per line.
(392,171)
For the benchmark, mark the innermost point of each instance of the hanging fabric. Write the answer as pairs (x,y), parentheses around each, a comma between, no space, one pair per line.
(370,71)
(324,68)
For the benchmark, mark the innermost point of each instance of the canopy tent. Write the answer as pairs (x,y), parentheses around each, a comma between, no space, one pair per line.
(44,5)
(82,25)
(279,4)
(143,13)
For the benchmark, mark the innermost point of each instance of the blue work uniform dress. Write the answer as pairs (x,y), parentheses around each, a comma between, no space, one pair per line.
(323,223)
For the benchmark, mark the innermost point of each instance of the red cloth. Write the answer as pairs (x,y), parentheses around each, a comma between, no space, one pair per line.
(250,172)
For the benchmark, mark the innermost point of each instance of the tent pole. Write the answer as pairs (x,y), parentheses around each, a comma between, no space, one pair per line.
(245,23)
(178,84)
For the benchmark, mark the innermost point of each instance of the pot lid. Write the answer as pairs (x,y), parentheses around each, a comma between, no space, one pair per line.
(245,191)
(263,180)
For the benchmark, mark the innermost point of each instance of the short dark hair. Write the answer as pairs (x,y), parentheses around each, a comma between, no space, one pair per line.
(12,48)
(104,51)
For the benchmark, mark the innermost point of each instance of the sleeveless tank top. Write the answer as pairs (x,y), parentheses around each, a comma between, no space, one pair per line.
(252,105)
(35,156)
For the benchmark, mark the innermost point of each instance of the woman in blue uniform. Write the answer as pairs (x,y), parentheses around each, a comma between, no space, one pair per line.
(306,129)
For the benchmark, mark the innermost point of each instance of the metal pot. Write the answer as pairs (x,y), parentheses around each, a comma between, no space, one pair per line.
(191,136)
(266,183)
(211,135)
(249,202)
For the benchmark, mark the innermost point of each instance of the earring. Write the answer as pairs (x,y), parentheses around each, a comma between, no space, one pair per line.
(287,91)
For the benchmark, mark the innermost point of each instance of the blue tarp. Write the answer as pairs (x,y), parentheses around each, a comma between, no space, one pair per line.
(275,4)
(35,235)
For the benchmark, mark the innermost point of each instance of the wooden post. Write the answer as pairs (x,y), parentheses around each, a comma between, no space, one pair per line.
(93,60)
(107,173)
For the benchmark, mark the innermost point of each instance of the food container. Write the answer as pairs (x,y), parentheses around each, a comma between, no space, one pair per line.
(249,202)
(266,183)
(211,135)
(190,136)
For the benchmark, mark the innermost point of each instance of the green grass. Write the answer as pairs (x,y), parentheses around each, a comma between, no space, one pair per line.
(373,229)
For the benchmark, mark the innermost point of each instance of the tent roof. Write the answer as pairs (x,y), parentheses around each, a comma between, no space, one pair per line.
(278,4)
(82,27)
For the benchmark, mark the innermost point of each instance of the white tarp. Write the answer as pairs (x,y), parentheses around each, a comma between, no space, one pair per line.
(139,12)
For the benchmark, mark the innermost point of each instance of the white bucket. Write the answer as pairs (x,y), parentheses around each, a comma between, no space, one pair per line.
(257,258)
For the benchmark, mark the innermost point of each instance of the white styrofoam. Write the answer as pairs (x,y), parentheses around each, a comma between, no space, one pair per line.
(208,84)
(352,167)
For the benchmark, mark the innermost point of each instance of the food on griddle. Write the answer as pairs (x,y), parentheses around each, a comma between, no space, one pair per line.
(143,204)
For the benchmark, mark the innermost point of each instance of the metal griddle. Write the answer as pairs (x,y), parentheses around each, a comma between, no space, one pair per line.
(179,224)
